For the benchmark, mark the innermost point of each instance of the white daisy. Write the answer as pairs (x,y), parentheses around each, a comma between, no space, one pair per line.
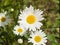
(4,20)
(31,18)
(19,30)
(38,38)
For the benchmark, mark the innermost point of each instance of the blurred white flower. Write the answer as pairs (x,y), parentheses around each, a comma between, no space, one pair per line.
(31,18)
(19,30)
(20,41)
(12,9)
(4,19)
(38,38)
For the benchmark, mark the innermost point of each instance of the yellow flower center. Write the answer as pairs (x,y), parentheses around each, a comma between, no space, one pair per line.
(3,19)
(20,30)
(37,39)
(31,19)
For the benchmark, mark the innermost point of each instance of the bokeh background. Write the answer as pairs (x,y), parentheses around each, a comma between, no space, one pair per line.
(50,26)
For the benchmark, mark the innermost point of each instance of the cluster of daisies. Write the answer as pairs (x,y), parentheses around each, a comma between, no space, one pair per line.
(29,20)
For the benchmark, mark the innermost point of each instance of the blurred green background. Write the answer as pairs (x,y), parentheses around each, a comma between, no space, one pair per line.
(51,23)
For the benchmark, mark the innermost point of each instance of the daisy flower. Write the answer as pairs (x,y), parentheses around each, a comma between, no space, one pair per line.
(19,30)
(4,20)
(31,18)
(38,38)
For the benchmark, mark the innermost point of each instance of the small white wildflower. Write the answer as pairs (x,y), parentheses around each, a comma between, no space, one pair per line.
(12,9)
(4,19)
(19,30)
(20,41)
(38,38)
